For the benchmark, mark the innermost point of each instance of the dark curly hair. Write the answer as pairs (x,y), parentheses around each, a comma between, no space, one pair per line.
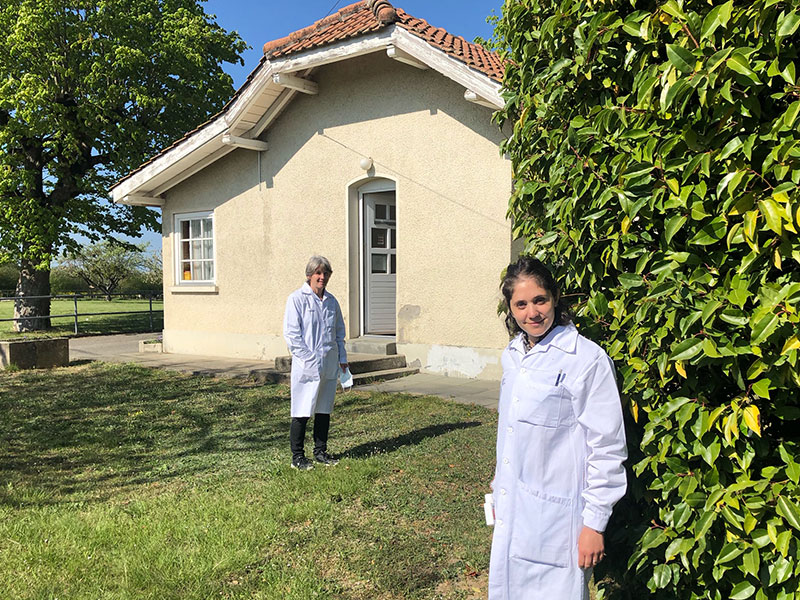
(528,267)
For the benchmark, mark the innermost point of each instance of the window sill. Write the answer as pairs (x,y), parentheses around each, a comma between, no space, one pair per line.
(194,289)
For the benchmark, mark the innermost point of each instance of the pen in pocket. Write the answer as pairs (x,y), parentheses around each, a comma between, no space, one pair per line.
(559,377)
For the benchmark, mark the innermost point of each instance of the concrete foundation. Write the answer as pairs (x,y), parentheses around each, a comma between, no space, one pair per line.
(34,354)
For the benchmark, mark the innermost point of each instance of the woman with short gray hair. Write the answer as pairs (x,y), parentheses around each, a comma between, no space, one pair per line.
(313,327)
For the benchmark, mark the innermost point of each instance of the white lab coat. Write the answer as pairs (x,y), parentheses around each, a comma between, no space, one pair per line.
(560,450)
(314,332)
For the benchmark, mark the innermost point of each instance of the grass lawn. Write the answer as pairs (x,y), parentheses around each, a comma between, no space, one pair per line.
(100,324)
(122,482)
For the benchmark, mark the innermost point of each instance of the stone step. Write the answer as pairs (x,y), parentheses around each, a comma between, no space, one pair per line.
(359,363)
(371,345)
(363,363)
(361,378)
(383,375)
(264,376)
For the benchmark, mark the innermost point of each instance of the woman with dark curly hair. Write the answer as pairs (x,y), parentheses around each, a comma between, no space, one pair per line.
(560,447)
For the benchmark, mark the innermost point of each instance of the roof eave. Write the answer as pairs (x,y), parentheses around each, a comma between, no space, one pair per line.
(449,66)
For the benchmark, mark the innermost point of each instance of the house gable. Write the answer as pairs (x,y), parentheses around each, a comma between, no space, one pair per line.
(287,70)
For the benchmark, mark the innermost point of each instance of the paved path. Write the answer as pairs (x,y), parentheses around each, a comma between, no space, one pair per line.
(465,391)
(125,348)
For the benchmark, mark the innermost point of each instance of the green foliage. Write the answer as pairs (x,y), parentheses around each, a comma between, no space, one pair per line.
(656,153)
(8,279)
(88,90)
(105,265)
(62,281)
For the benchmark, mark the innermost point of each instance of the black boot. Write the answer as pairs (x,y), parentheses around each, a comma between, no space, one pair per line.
(297,434)
(322,424)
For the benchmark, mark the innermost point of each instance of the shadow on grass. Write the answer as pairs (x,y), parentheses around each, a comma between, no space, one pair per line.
(95,430)
(90,432)
(408,439)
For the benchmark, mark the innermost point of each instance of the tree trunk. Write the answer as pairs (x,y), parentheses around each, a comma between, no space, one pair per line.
(32,283)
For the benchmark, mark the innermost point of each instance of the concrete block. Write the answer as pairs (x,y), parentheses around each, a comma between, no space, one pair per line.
(43,353)
(146,346)
(283,364)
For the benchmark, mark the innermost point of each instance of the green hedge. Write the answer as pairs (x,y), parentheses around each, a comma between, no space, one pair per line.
(656,155)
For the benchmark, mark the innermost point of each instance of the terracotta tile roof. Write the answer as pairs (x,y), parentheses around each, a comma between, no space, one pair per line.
(369,16)
(473,55)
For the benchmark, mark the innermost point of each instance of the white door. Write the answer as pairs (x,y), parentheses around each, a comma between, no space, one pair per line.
(380,262)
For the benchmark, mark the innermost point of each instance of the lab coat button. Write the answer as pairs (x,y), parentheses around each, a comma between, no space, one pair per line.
(500,522)
(503,492)
(510,429)
(516,399)
(505,461)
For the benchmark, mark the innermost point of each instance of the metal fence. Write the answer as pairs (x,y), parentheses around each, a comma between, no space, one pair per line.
(150,296)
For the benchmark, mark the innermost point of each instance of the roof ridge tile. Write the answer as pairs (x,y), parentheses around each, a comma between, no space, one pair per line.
(337,17)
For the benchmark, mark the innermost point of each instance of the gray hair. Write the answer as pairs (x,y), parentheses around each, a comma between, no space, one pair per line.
(317,262)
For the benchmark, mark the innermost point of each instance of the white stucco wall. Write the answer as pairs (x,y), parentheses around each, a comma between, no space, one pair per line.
(453,238)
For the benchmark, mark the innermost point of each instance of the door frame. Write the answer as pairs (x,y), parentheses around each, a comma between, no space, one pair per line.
(369,187)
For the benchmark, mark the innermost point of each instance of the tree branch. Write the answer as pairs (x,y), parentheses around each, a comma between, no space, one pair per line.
(689,33)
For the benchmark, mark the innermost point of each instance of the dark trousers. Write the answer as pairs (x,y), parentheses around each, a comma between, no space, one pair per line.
(297,434)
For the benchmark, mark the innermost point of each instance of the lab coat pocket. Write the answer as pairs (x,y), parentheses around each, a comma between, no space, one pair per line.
(309,370)
(541,404)
(330,364)
(542,526)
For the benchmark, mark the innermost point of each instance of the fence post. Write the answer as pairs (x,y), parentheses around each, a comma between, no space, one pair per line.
(75,300)
(150,295)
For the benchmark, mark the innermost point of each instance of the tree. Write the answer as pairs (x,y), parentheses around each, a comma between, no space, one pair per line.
(63,282)
(88,90)
(149,277)
(8,278)
(105,265)
(153,269)
(656,152)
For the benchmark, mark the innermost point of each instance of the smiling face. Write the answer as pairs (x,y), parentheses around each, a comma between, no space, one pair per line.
(318,280)
(533,308)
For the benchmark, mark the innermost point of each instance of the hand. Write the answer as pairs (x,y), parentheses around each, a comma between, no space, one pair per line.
(591,548)
(343,366)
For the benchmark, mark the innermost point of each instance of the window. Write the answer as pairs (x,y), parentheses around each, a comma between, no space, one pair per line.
(194,248)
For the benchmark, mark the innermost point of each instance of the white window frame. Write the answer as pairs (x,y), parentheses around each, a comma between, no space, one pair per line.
(179,218)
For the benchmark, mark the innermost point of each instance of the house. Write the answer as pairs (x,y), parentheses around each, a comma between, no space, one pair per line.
(366,137)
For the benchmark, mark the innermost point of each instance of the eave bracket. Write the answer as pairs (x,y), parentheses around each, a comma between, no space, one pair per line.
(295,83)
(404,57)
(246,143)
(471,96)
(140,200)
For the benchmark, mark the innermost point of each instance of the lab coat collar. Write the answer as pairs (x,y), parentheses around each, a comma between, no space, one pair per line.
(306,289)
(563,337)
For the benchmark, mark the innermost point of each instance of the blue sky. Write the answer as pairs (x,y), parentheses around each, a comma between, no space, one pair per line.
(261,21)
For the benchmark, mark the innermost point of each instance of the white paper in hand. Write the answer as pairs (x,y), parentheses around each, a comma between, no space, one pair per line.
(488,508)
(346,379)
